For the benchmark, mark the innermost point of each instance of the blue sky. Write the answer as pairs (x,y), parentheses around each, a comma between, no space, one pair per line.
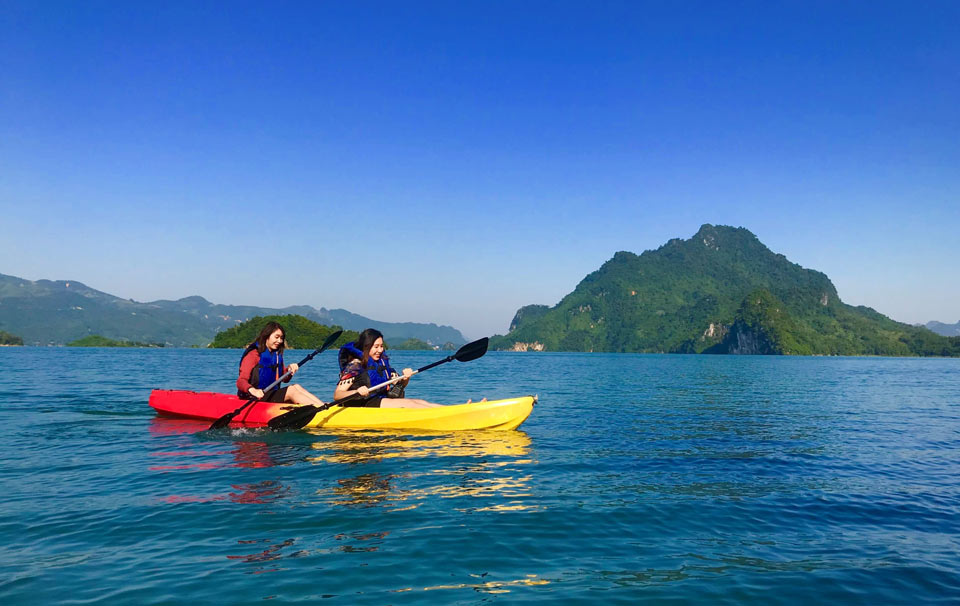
(449,162)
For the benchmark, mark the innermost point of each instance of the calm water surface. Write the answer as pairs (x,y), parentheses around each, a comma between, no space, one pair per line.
(668,479)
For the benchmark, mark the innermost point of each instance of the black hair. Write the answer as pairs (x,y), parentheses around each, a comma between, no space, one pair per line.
(365,341)
(265,334)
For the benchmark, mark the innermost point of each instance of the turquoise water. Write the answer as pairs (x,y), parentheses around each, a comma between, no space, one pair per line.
(669,479)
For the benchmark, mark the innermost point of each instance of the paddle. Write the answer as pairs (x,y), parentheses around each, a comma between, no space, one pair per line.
(225,419)
(300,416)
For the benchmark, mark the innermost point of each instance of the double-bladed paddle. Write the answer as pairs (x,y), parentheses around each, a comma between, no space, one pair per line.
(300,416)
(225,419)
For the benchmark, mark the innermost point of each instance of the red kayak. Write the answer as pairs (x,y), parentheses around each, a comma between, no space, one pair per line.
(207,405)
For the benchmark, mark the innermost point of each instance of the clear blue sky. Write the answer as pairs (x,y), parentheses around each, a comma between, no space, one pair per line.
(450,162)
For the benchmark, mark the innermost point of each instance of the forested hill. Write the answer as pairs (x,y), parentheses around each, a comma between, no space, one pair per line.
(721,291)
(47,312)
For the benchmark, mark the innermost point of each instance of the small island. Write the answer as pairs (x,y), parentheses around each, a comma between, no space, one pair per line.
(8,340)
(413,345)
(100,341)
(302,333)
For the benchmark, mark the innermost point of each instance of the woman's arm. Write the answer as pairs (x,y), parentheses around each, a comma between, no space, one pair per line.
(246,367)
(346,388)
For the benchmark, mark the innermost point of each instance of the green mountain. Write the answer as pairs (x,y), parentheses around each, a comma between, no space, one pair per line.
(46,312)
(721,291)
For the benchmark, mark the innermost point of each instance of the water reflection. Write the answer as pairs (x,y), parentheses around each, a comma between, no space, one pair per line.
(248,452)
(264,554)
(491,587)
(186,455)
(487,471)
(366,541)
(263,558)
(367,447)
(364,490)
(268,491)
(490,466)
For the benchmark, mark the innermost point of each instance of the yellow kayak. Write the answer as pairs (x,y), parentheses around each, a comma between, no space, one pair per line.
(490,415)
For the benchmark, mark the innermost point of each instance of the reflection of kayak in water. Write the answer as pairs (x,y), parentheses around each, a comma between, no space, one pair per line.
(486,470)
(494,414)
(356,447)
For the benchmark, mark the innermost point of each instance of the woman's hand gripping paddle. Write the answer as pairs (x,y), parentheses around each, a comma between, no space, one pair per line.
(225,419)
(300,416)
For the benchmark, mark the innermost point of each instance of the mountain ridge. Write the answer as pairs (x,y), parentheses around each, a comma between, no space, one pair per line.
(55,312)
(944,329)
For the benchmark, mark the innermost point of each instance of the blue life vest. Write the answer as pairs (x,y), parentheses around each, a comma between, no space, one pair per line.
(267,370)
(378,371)
(271,367)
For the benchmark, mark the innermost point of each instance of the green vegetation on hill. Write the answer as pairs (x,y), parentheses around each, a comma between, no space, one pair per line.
(99,341)
(413,344)
(698,295)
(8,339)
(301,333)
(528,313)
(762,325)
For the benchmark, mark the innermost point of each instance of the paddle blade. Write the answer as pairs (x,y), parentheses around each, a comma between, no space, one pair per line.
(225,419)
(331,339)
(472,351)
(294,419)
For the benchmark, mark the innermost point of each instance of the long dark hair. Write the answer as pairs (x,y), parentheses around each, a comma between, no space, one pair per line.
(365,341)
(266,332)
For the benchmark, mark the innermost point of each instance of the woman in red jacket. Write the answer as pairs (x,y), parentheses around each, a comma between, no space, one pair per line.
(262,364)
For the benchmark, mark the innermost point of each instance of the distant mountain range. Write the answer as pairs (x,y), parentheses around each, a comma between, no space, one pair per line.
(947,330)
(46,312)
(721,291)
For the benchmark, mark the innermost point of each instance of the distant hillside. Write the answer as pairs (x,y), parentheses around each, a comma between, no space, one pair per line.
(721,291)
(947,330)
(46,312)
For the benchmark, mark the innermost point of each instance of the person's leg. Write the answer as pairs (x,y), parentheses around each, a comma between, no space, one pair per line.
(406,403)
(299,395)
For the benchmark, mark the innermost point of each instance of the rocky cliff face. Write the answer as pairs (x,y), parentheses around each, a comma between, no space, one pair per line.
(528,313)
(745,341)
(535,346)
